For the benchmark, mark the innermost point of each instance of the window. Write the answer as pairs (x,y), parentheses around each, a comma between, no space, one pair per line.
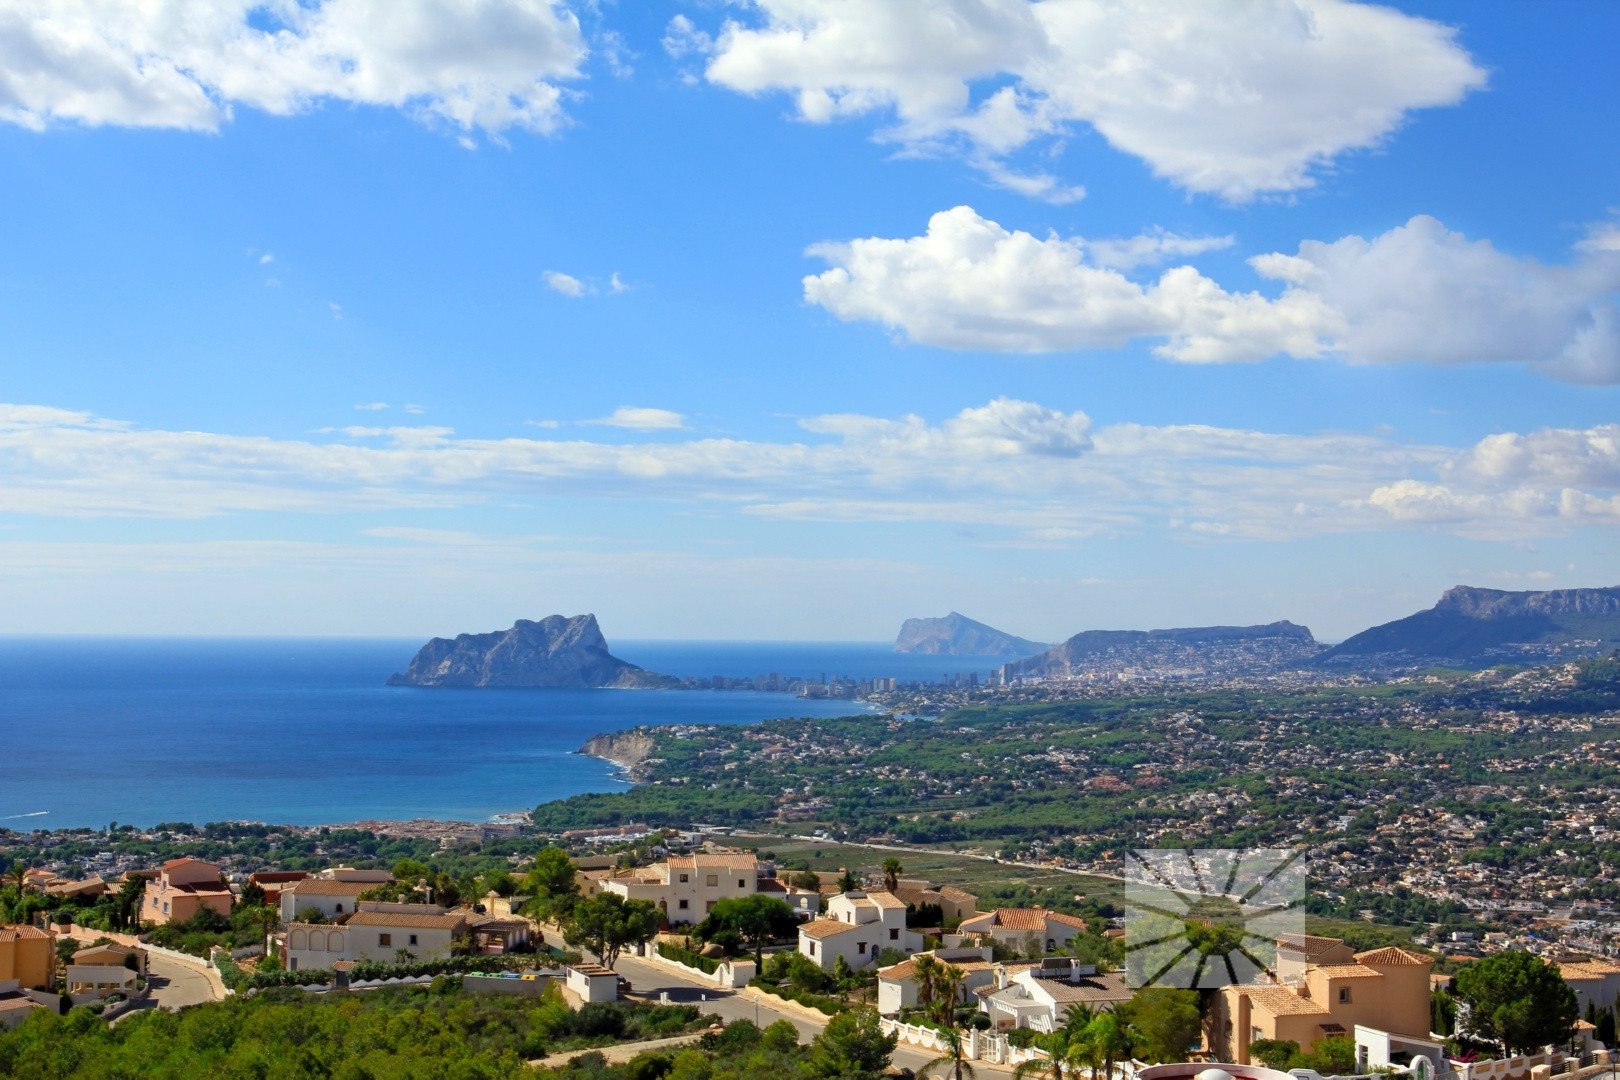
(812,948)
(741,883)
(709,906)
(683,905)
(1255,1035)
(713,880)
(860,947)
(685,878)
(1344,995)
(339,909)
(384,940)
(894,935)
(413,939)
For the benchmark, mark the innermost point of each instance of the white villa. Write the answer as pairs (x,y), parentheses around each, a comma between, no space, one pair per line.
(858,926)
(1039,995)
(377,932)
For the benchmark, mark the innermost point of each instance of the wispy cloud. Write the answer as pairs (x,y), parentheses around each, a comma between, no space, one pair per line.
(1011,467)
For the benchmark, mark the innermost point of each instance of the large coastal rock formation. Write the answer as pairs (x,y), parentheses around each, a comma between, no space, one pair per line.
(557,651)
(1198,650)
(1472,627)
(958,635)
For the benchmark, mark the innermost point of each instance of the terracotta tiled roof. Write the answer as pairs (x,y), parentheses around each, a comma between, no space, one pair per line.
(422,922)
(1388,957)
(1282,1002)
(22,933)
(826,928)
(1030,919)
(885,899)
(725,862)
(1348,971)
(185,859)
(955,895)
(323,887)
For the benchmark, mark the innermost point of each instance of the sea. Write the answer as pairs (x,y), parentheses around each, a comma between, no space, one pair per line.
(304,731)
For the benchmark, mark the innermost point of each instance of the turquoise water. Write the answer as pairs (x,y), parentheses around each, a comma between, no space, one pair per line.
(303,731)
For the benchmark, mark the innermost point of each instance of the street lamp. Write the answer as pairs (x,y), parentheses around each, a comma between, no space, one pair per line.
(756,1008)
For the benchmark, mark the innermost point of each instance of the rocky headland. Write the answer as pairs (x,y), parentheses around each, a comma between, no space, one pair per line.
(557,652)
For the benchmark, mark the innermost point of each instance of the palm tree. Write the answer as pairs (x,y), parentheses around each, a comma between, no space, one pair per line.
(925,969)
(891,873)
(1111,1039)
(949,988)
(17,874)
(953,1057)
(1056,1062)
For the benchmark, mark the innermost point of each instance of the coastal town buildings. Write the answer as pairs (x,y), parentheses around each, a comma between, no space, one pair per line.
(182,888)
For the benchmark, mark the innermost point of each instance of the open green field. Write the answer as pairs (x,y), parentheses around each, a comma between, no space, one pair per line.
(942,867)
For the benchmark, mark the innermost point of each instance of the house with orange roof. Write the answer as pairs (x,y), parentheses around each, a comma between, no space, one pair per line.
(378,931)
(1596,981)
(1035,931)
(1380,998)
(27,956)
(858,927)
(182,888)
(954,904)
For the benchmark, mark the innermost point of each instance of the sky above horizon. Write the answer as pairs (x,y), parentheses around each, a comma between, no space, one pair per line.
(793,319)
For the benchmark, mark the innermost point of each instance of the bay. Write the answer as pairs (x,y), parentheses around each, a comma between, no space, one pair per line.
(303,731)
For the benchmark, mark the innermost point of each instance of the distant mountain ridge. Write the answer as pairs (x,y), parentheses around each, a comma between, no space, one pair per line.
(958,635)
(1473,627)
(557,651)
(1187,650)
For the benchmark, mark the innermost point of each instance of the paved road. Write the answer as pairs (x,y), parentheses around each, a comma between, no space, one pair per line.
(650,981)
(175,985)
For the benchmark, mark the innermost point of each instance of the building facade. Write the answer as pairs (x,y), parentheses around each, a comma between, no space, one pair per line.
(182,888)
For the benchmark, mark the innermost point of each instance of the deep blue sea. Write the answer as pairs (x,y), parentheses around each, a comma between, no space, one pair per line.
(303,731)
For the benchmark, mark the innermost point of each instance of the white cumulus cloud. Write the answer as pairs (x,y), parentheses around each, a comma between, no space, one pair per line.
(968,283)
(1417,293)
(1233,97)
(488,65)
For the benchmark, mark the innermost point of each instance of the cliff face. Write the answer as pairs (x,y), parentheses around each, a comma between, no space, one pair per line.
(1474,627)
(958,635)
(628,749)
(555,652)
(1246,649)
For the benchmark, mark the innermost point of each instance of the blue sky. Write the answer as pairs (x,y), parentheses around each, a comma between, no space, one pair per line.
(789,319)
